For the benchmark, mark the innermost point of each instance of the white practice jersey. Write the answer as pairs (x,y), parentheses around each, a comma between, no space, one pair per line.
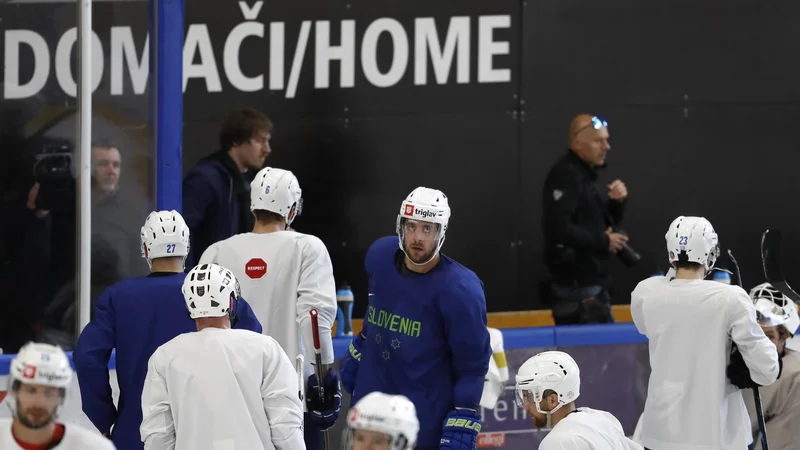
(284,275)
(588,429)
(691,404)
(221,389)
(75,438)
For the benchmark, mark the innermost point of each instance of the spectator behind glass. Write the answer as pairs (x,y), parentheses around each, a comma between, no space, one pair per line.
(577,222)
(114,246)
(216,192)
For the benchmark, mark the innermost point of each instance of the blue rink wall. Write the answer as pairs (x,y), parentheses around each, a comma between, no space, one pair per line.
(614,369)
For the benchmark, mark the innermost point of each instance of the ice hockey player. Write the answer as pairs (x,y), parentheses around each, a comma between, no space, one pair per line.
(216,387)
(547,386)
(381,422)
(425,334)
(691,324)
(135,316)
(37,382)
(285,274)
(778,317)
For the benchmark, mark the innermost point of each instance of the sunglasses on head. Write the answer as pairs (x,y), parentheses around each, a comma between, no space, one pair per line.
(597,123)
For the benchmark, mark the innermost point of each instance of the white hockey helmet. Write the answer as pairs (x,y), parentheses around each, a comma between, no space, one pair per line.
(775,309)
(164,235)
(393,415)
(211,291)
(276,190)
(692,239)
(553,370)
(41,364)
(424,205)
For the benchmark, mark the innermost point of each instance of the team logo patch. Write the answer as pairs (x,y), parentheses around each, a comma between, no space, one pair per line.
(409,210)
(557,195)
(29,372)
(255,268)
(353,415)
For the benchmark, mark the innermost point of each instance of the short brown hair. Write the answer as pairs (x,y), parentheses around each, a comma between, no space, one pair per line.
(241,125)
(264,216)
(687,265)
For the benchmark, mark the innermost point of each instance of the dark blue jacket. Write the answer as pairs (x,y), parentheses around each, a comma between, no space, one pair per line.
(216,203)
(135,317)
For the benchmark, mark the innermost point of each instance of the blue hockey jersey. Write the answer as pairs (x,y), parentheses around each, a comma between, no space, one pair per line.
(135,316)
(426,337)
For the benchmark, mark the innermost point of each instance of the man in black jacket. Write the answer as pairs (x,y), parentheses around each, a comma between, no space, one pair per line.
(578,223)
(216,192)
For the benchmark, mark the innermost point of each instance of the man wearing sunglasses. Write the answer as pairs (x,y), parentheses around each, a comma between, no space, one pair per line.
(578,223)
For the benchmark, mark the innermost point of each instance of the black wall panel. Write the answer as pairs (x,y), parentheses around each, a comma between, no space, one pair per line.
(701,97)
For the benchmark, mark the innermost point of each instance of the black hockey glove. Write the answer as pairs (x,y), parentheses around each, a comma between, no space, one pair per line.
(739,374)
(324,414)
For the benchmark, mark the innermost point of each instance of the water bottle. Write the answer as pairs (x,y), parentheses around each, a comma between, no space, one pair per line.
(344,298)
(722,277)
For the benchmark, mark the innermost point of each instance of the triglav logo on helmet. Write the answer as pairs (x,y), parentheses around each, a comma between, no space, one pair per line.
(52,376)
(411,211)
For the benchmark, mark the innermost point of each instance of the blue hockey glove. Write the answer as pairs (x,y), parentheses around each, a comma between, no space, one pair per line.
(461,428)
(349,365)
(324,413)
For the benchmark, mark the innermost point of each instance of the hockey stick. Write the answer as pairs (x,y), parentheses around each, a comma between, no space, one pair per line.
(771,260)
(298,367)
(318,368)
(762,424)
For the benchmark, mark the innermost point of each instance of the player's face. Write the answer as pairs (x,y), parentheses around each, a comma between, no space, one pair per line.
(371,440)
(774,334)
(539,419)
(36,405)
(420,240)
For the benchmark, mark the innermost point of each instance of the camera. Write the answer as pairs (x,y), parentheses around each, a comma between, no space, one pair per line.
(53,171)
(627,254)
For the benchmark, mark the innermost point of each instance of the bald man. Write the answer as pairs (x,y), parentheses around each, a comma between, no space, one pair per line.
(578,222)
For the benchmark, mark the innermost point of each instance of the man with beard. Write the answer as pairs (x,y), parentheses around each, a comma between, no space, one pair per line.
(38,379)
(778,317)
(425,334)
(547,386)
(216,192)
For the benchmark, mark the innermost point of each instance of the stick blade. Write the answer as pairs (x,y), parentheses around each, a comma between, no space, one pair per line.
(771,242)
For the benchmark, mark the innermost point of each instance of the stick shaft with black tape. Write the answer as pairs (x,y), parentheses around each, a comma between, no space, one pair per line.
(318,367)
(762,425)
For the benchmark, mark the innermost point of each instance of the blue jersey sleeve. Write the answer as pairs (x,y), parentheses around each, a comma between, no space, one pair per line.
(91,357)
(246,318)
(464,312)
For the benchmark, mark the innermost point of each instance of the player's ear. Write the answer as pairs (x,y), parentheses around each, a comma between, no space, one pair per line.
(290,216)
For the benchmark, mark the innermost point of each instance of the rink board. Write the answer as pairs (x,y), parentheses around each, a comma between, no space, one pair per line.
(614,370)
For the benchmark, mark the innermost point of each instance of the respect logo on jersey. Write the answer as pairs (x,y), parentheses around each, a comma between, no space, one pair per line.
(255,268)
